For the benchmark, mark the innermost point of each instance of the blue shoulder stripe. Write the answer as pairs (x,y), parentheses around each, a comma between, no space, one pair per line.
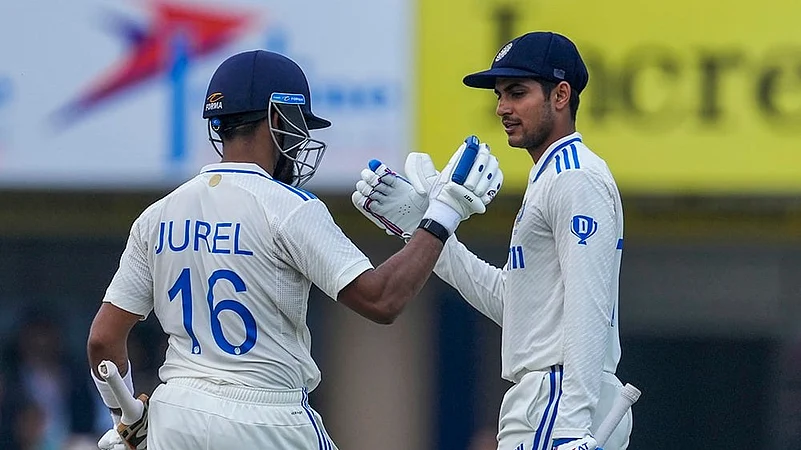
(299,192)
(567,161)
(562,146)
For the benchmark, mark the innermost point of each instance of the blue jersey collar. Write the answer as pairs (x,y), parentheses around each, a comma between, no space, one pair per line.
(542,164)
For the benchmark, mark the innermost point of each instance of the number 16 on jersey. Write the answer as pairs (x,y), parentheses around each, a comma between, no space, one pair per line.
(183,287)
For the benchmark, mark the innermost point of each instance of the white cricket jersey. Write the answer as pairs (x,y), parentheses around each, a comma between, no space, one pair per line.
(557,296)
(226,261)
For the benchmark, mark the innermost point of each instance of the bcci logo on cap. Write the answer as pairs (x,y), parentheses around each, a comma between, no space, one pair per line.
(214,102)
(502,52)
(583,227)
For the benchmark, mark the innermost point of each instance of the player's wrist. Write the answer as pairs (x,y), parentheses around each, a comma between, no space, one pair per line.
(107,394)
(444,214)
(433,227)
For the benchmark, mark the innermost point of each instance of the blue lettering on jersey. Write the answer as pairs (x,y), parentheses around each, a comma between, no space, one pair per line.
(516,260)
(219,235)
(215,237)
(181,247)
(583,227)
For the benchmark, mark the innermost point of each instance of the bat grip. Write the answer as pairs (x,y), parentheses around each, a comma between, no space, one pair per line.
(466,161)
(132,409)
(627,397)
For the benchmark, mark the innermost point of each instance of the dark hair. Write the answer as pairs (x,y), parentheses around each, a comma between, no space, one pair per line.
(243,130)
(240,125)
(548,86)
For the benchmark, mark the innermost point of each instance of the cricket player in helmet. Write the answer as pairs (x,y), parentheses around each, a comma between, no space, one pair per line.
(226,261)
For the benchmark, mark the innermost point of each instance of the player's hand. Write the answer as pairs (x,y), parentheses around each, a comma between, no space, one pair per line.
(466,185)
(134,436)
(389,200)
(111,441)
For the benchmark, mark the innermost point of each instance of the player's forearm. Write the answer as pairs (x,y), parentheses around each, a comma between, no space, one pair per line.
(580,393)
(99,348)
(381,294)
(581,384)
(586,322)
(478,282)
(108,337)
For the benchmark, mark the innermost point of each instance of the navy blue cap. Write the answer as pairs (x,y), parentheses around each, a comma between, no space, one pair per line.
(539,54)
(247,81)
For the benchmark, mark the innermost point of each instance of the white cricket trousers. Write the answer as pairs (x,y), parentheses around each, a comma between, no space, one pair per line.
(191,413)
(528,412)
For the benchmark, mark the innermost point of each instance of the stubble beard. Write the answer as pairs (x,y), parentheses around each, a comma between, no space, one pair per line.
(539,135)
(285,170)
(284,167)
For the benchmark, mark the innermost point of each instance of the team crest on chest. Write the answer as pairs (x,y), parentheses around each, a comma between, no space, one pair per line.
(519,217)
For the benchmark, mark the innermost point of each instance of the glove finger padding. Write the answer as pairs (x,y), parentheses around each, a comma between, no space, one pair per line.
(487,177)
(377,203)
(363,188)
(468,202)
(420,172)
(479,167)
(389,200)
(369,177)
(111,440)
(362,203)
(494,188)
(374,192)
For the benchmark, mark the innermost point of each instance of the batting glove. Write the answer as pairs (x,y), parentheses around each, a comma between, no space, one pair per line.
(112,440)
(135,435)
(127,437)
(466,185)
(389,200)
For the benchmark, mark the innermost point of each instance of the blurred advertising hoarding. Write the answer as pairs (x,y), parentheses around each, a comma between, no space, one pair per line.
(684,96)
(100,94)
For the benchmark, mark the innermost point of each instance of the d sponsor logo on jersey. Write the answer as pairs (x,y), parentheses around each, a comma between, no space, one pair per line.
(214,102)
(583,227)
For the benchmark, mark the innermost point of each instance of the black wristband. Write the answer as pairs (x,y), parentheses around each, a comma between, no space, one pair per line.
(435,228)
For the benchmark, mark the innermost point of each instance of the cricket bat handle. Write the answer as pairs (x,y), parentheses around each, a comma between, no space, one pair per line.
(132,409)
(628,396)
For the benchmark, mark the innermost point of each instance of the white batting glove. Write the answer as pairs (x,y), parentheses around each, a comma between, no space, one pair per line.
(421,173)
(112,440)
(389,200)
(465,186)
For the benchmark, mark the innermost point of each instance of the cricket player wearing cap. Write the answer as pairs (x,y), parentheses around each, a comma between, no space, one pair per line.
(556,298)
(226,262)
